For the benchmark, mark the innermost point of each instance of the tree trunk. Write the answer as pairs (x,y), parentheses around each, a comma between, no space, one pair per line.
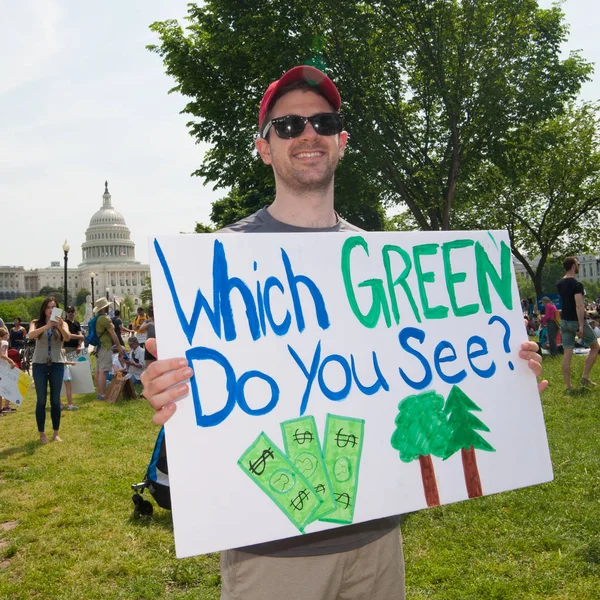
(471,471)
(432,496)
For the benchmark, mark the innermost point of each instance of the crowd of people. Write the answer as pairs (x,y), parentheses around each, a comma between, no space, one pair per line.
(59,341)
(572,329)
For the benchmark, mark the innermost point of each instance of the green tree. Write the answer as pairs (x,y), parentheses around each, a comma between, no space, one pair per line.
(525,285)
(14,308)
(425,108)
(146,293)
(57,292)
(592,289)
(422,430)
(127,308)
(202,228)
(464,437)
(81,297)
(34,306)
(546,194)
(552,272)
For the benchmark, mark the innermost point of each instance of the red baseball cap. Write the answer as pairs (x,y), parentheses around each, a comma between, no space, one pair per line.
(309,74)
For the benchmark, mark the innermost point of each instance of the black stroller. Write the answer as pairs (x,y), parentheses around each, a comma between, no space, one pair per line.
(156,481)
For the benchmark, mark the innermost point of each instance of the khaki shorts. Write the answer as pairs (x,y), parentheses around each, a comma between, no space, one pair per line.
(103,360)
(373,572)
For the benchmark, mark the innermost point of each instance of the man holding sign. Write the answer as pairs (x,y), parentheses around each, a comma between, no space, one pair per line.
(301,136)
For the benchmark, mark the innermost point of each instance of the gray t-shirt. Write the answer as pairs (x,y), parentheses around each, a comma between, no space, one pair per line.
(341,539)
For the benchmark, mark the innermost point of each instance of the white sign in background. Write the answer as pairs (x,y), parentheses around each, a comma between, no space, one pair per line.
(216,504)
(14,383)
(81,373)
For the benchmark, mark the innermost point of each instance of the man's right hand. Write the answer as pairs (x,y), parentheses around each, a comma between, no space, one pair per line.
(165,382)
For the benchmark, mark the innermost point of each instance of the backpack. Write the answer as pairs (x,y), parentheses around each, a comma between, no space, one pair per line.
(92,337)
(156,481)
(157,475)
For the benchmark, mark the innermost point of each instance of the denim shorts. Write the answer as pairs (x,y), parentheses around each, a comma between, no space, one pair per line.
(568,329)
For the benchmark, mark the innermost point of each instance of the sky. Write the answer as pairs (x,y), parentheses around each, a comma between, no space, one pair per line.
(82,101)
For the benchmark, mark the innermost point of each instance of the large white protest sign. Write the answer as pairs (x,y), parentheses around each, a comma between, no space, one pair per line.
(14,383)
(340,378)
(81,373)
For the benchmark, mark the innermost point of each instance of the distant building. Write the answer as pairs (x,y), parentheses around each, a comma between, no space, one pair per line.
(590,267)
(107,252)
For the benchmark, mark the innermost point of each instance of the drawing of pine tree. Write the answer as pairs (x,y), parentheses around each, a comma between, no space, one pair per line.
(464,426)
(422,430)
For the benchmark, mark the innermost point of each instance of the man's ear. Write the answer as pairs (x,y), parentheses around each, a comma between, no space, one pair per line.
(343,140)
(263,148)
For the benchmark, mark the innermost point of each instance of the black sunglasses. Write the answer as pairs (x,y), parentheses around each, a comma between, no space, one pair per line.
(291,126)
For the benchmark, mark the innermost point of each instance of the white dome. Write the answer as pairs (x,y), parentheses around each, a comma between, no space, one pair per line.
(107,239)
(107,216)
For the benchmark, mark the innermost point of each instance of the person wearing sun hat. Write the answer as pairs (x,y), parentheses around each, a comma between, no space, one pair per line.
(108,337)
(301,136)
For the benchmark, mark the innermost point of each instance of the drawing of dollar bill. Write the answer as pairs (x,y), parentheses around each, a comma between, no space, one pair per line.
(342,451)
(276,475)
(302,446)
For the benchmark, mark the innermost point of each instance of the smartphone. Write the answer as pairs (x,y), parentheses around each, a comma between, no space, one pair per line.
(56,313)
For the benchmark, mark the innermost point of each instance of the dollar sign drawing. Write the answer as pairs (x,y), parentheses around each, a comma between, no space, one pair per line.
(342,439)
(343,499)
(300,438)
(320,489)
(260,463)
(298,502)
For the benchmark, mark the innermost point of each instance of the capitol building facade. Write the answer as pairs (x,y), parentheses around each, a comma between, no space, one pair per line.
(108,258)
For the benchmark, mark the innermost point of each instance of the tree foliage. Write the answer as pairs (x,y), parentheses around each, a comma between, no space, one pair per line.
(82,296)
(57,292)
(546,194)
(421,427)
(525,285)
(146,293)
(592,289)
(127,308)
(23,308)
(431,91)
(463,424)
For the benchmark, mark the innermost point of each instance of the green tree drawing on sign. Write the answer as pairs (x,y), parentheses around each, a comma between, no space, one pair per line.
(464,426)
(422,430)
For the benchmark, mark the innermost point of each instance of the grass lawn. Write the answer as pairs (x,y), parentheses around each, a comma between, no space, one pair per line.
(67,532)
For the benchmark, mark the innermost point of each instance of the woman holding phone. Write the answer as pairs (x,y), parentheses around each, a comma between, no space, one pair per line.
(49,332)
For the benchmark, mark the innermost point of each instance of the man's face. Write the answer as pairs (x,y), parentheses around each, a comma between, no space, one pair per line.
(306,163)
(70,316)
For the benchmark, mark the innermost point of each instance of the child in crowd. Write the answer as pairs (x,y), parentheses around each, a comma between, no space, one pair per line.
(5,406)
(67,378)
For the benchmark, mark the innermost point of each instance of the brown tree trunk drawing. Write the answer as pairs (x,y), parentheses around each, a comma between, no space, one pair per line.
(472,480)
(432,496)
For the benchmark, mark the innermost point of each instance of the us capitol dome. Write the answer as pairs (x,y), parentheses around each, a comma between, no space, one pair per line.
(107,238)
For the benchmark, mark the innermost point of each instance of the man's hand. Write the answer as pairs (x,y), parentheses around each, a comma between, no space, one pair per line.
(165,382)
(529,353)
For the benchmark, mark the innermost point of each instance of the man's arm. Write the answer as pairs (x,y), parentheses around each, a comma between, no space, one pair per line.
(115,339)
(580,307)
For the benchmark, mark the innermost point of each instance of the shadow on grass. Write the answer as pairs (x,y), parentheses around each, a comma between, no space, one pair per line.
(27,449)
(160,517)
